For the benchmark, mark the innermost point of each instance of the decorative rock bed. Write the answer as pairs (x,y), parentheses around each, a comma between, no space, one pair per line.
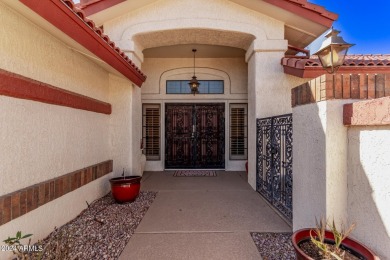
(274,246)
(100,232)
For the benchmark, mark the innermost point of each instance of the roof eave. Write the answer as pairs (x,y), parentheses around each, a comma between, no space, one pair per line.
(307,10)
(62,15)
(94,7)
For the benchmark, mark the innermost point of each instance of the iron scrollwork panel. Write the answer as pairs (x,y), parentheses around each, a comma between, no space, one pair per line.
(195,136)
(178,135)
(274,162)
(264,157)
(210,145)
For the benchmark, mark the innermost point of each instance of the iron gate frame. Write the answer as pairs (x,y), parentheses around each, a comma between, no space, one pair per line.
(274,160)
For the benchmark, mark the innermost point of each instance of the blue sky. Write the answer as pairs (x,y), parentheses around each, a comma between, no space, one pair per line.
(364,23)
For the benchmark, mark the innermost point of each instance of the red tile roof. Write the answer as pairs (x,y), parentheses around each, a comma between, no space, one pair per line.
(355,63)
(72,21)
(100,32)
(307,10)
(315,8)
(367,60)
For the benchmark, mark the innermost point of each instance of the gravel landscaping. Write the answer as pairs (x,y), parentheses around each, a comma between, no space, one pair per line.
(274,246)
(100,232)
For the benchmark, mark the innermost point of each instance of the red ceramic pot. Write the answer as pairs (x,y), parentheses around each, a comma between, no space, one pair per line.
(354,246)
(125,189)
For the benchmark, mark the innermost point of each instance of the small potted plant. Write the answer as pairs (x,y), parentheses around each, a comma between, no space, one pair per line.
(319,243)
(125,188)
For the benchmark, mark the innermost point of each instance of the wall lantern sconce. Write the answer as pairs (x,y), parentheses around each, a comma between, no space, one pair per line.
(194,83)
(333,51)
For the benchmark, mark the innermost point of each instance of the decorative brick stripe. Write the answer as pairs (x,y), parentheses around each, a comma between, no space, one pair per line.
(20,202)
(15,85)
(368,113)
(341,86)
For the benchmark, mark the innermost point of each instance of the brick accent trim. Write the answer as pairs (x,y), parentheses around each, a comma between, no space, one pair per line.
(18,203)
(374,112)
(18,86)
(341,86)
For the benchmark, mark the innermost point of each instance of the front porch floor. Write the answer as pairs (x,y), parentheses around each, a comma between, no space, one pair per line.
(201,218)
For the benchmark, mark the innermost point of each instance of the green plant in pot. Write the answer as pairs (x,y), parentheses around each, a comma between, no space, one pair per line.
(329,251)
(320,244)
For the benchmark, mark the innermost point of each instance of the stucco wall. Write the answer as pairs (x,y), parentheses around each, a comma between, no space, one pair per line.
(30,51)
(269,94)
(309,164)
(125,126)
(368,186)
(136,118)
(319,163)
(40,141)
(341,173)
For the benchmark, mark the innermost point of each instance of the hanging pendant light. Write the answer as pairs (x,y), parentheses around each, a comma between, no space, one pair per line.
(194,83)
(333,51)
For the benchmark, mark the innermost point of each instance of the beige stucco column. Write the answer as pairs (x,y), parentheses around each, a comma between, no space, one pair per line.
(269,90)
(126,120)
(319,163)
(125,126)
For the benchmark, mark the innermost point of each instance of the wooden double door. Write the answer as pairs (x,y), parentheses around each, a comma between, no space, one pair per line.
(195,136)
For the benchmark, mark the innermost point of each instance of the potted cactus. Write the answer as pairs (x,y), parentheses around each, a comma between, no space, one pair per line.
(319,243)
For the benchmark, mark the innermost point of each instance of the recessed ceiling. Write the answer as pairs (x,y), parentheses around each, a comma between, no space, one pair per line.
(185,51)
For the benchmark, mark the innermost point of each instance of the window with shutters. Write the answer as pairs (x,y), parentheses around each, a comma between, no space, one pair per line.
(238,132)
(151,131)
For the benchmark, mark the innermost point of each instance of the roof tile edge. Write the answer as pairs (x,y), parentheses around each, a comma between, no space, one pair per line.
(355,63)
(313,12)
(63,14)
(101,34)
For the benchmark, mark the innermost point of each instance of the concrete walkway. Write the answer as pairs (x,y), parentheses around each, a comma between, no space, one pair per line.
(201,218)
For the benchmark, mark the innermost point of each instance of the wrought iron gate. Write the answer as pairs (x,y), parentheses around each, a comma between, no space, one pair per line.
(274,162)
(195,136)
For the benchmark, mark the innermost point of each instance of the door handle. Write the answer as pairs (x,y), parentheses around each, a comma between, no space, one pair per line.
(193,131)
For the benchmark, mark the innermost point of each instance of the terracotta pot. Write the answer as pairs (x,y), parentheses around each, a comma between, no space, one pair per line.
(125,189)
(354,246)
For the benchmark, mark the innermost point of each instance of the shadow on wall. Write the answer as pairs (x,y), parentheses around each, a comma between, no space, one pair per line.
(368,183)
(309,165)
(341,175)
